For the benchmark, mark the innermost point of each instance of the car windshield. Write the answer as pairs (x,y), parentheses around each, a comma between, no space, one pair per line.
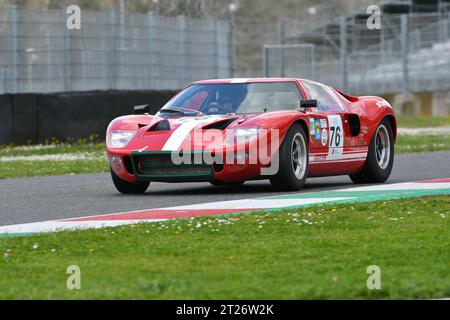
(235,98)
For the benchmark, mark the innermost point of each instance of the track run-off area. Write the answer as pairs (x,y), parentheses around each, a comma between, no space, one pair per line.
(350,195)
(89,201)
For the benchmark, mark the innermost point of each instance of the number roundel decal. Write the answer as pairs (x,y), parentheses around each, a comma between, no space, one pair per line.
(336,137)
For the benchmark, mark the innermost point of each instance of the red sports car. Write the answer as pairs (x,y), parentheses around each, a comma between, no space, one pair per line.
(228,131)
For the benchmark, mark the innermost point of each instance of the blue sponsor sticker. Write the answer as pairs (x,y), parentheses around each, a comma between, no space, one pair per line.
(317,134)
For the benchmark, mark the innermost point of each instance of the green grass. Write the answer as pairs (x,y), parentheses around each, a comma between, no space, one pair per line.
(257,256)
(24,169)
(422,122)
(416,144)
(21,168)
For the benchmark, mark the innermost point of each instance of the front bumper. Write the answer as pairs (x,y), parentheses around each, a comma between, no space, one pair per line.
(165,167)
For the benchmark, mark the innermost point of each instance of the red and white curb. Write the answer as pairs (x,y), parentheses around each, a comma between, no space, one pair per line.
(357,194)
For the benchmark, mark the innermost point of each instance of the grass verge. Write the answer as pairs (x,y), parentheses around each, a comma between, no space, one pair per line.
(422,122)
(417,144)
(320,252)
(42,160)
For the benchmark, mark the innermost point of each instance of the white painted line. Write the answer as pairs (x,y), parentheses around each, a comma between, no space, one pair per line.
(402,186)
(256,203)
(52,226)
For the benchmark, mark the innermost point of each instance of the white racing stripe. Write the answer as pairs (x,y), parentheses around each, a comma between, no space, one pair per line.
(179,135)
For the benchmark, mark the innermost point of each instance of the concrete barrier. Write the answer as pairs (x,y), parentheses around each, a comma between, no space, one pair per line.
(33,118)
(434,104)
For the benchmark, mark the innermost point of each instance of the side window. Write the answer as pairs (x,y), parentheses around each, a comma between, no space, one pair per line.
(326,98)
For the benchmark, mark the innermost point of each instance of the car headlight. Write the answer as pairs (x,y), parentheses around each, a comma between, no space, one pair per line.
(119,138)
(242,135)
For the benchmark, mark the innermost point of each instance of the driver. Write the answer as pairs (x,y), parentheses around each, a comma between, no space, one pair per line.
(227,105)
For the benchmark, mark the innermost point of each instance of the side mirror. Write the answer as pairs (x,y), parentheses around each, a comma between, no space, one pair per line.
(308,104)
(143,109)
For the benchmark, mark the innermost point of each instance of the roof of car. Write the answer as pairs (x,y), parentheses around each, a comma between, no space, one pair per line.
(245,80)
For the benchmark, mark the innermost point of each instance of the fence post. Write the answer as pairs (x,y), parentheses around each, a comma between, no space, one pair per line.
(343,53)
(213,56)
(14,50)
(404,48)
(448,26)
(232,39)
(49,62)
(67,58)
(313,62)
(266,61)
(136,59)
(153,52)
(281,36)
(2,81)
(181,19)
(112,60)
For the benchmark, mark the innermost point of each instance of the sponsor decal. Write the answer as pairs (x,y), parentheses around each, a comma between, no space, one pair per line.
(312,130)
(383,103)
(317,129)
(317,158)
(324,137)
(323,123)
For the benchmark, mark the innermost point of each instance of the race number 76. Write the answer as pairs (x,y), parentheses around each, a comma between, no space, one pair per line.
(335,140)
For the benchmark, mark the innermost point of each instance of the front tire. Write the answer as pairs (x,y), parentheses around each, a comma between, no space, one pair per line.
(126,187)
(380,157)
(293,161)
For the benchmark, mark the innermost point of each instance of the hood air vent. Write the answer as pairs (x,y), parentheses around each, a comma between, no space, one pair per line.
(163,125)
(220,125)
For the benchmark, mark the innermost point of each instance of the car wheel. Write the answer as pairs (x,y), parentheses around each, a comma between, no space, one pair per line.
(293,161)
(128,187)
(380,157)
(223,183)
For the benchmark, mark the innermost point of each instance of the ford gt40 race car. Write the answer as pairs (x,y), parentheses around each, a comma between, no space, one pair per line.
(229,131)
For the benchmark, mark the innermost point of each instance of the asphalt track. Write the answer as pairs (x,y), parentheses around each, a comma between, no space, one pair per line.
(58,197)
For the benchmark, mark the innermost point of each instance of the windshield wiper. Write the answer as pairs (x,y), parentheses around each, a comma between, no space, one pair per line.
(184,111)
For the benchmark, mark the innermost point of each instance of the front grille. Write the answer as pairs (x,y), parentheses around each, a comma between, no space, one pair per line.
(165,159)
(154,166)
(177,171)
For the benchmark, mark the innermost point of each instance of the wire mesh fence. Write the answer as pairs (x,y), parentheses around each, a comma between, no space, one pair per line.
(120,50)
(112,50)
(410,52)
